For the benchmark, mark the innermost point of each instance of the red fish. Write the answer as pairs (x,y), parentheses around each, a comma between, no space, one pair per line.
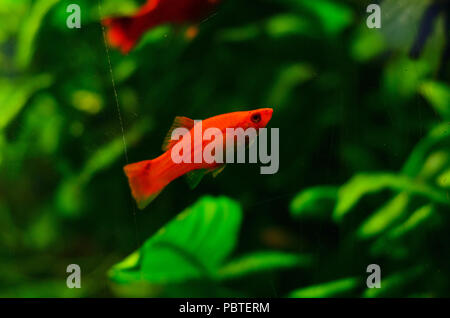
(124,32)
(148,178)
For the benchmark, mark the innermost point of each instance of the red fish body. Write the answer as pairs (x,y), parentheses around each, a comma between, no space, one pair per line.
(148,178)
(125,32)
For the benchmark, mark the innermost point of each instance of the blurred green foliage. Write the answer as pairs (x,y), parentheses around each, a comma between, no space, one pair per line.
(364,153)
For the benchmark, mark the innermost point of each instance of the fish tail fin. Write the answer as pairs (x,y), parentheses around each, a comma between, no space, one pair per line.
(143,182)
(119,33)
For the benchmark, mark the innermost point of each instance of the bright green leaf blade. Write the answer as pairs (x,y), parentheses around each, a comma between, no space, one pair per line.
(14,96)
(363,184)
(383,218)
(315,202)
(438,95)
(329,289)
(288,79)
(29,30)
(193,245)
(333,17)
(402,77)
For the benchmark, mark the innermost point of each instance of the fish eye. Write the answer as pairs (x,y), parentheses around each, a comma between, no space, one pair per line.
(256,118)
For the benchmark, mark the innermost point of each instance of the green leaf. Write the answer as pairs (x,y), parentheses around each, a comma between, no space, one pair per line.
(14,96)
(384,217)
(333,17)
(29,30)
(393,284)
(402,77)
(329,289)
(417,218)
(193,245)
(400,21)
(437,135)
(240,34)
(360,185)
(315,202)
(288,24)
(261,261)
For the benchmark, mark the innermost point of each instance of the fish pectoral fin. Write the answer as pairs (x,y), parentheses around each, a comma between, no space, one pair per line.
(194,177)
(178,122)
(218,170)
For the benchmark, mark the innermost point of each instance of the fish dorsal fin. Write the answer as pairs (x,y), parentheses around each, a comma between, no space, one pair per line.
(178,122)
(194,177)
(218,170)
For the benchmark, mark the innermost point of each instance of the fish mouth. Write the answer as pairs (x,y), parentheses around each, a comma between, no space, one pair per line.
(266,115)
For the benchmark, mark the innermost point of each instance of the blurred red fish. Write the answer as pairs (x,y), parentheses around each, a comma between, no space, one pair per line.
(124,32)
(148,178)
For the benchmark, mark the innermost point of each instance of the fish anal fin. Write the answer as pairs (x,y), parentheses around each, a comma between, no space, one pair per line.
(179,122)
(143,203)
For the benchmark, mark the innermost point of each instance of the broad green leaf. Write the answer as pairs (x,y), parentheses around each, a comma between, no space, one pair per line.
(360,185)
(314,202)
(329,289)
(193,245)
(383,218)
(438,95)
(261,261)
